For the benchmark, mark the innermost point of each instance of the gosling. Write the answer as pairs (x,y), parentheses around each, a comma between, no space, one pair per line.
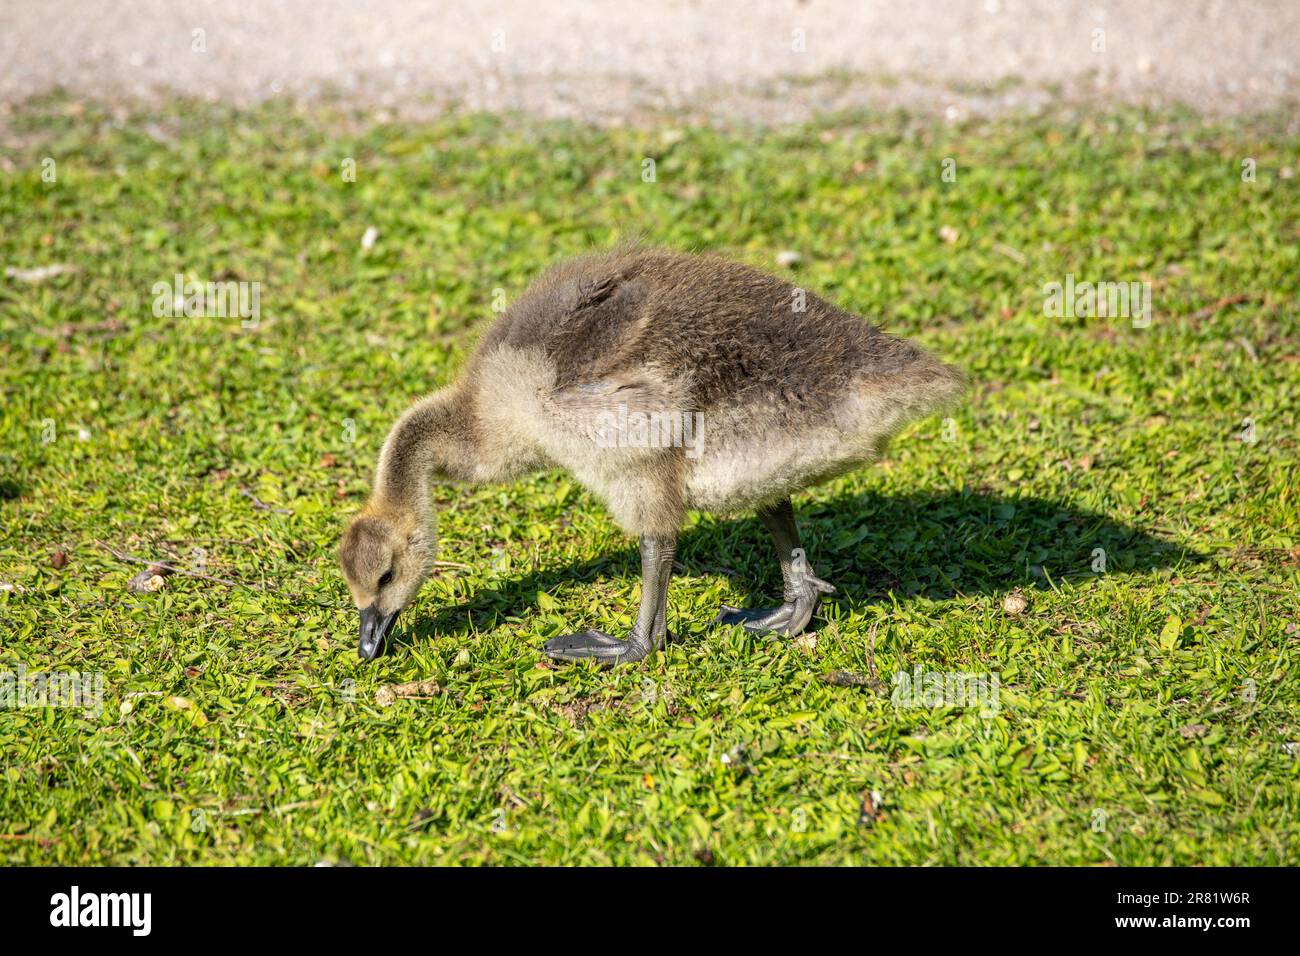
(662,382)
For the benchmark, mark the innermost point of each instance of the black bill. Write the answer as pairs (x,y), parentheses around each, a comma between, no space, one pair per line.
(374,631)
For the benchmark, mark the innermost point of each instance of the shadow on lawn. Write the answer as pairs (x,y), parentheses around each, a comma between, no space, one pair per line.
(869,546)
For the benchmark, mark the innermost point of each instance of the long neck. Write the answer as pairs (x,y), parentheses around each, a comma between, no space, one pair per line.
(426,441)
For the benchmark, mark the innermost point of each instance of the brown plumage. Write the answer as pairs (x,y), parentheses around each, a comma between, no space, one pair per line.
(662,382)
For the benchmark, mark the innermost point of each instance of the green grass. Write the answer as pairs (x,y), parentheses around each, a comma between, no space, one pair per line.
(1149,713)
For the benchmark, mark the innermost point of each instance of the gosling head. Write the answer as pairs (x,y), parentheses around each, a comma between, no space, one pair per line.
(385,559)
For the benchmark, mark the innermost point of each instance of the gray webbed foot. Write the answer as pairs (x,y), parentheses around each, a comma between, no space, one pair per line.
(804,591)
(591,645)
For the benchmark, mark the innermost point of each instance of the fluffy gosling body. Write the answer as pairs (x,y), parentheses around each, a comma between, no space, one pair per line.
(761,390)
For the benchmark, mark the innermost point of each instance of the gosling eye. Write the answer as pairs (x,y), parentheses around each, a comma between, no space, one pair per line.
(386,579)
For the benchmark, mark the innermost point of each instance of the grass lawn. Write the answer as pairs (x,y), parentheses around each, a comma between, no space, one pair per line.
(1148,710)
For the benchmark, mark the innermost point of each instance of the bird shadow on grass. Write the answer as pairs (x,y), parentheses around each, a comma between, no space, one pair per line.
(870,546)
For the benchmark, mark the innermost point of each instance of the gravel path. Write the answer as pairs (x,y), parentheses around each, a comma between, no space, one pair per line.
(775,60)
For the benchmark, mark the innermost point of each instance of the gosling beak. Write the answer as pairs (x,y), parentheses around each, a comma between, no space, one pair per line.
(374,629)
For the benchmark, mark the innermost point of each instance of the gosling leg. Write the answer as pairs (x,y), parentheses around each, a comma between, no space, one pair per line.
(801,591)
(651,629)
